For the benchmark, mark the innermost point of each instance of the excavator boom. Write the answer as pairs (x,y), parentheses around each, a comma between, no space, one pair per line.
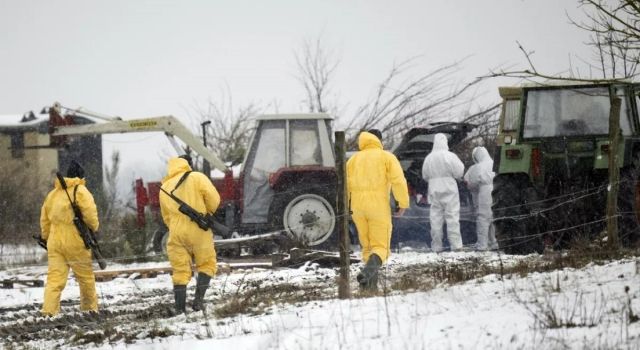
(167,124)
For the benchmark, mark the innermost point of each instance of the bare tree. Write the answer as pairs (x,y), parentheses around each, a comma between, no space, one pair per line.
(316,68)
(111,189)
(531,73)
(230,129)
(120,237)
(19,207)
(614,33)
(486,121)
(404,99)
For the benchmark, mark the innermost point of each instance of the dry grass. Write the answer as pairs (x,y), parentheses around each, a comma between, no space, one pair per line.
(426,276)
(112,334)
(256,299)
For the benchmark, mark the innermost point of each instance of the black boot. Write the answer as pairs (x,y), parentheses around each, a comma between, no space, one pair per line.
(202,283)
(368,276)
(180,296)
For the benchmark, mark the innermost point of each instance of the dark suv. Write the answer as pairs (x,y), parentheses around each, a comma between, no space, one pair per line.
(413,228)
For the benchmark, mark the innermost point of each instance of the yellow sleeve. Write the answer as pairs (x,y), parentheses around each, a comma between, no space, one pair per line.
(164,210)
(209,194)
(45,223)
(349,173)
(349,179)
(398,182)
(88,207)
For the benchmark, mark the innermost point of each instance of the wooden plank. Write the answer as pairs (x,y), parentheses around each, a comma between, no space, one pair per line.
(109,275)
(10,283)
(248,241)
(298,257)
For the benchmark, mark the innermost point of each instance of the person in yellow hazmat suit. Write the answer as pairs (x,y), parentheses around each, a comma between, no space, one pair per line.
(371,174)
(187,240)
(65,248)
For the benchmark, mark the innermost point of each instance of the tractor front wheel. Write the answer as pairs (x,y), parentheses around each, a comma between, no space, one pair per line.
(629,204)
(516,229)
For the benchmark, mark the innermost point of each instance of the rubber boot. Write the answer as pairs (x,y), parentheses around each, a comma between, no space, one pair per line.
(368,276)
(180,296)
(202,283)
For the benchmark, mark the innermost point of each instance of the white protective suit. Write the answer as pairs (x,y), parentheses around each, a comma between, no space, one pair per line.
(479,179)
(440,169)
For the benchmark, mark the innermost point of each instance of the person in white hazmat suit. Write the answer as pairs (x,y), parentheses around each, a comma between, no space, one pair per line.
(479,180)
(440,169)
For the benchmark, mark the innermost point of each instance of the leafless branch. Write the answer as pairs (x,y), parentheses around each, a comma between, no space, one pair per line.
(316,67)
(615,35)
(231,127)
(403,100)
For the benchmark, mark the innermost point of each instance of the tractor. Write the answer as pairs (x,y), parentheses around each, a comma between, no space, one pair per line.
(552,163)
(286,189)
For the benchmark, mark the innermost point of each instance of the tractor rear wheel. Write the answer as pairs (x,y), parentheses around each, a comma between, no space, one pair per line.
(305,215)
(629,204)
(516,230)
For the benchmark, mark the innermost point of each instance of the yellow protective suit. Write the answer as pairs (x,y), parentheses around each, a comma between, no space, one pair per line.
(371,173)
(187,241)
(65,248)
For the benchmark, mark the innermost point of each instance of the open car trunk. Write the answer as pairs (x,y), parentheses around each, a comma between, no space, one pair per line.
(417,144)
(413,228)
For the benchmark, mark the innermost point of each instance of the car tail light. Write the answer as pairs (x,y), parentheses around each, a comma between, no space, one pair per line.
(513,154)
(422,200)
(535,162)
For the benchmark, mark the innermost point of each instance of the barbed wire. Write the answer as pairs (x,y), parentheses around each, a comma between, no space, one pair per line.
(573,197)
(521,239)
(589,192)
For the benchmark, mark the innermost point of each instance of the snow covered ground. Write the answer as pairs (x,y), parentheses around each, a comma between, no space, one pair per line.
(21,255)
(432,301)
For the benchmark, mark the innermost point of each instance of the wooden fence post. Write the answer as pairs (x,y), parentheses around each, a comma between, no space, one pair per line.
(614,173)
(342,216)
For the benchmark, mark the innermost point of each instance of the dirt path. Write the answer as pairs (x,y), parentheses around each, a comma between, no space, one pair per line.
(26,324)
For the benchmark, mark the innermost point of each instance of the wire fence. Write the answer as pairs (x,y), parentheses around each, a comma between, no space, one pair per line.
(532,209)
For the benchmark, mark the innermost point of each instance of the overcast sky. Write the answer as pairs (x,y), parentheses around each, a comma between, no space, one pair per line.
(147,58)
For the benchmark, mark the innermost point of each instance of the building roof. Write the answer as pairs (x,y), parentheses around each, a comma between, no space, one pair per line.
(26,121)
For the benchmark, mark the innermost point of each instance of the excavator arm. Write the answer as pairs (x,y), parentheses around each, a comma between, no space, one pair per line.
(171,126)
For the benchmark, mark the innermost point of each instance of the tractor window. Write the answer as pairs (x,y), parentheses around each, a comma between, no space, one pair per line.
(625,124)
(570,112)
(305,143)
(266,156)
(637,94)
(511,112)
(269,152)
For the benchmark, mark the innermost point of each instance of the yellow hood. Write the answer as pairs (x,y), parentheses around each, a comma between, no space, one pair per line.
(368,141)
(70,181)
(176,166)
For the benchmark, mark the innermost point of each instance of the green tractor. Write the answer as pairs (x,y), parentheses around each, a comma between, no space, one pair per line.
(551,165)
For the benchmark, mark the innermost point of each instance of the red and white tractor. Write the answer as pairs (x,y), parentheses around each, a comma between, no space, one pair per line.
(285,189)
